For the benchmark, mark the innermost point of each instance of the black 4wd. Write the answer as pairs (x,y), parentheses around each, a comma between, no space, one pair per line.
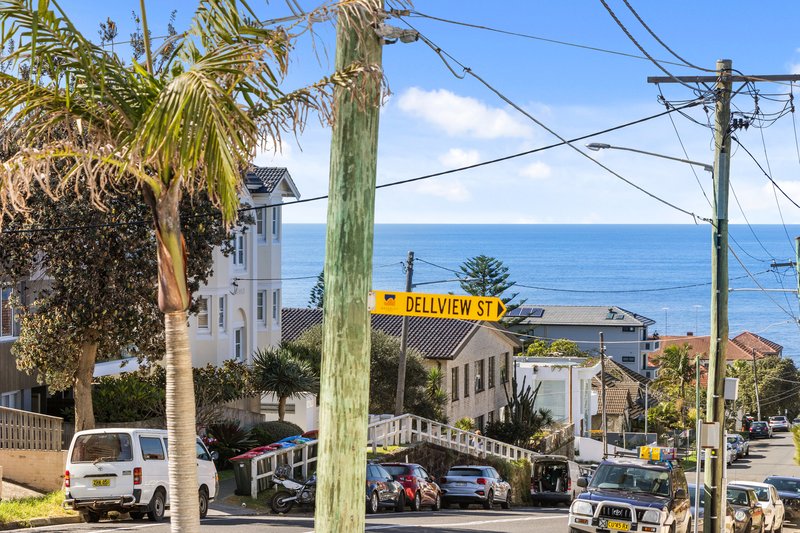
(627,494)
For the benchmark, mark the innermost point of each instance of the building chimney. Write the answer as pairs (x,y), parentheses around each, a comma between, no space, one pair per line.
(689,334)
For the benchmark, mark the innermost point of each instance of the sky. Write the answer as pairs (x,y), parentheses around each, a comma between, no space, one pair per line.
(433,121)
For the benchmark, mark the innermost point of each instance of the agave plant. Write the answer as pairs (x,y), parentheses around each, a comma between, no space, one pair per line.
(194,123)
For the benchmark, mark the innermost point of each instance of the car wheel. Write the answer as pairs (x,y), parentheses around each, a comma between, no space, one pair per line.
(463,505)
(487,504)
(507,504)
(416,503)
(203,503)
(136,515)
(90,516)
(400,506)
(437,503)
(372,504)
(747,453)
(158,506)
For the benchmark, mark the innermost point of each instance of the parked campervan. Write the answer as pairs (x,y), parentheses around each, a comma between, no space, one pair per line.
(554,480)
(127,470)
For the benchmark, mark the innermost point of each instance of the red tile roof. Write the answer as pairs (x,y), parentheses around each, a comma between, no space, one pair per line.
(750,341)
(701,345)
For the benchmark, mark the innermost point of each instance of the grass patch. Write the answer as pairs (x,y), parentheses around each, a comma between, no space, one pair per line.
(259,505)
(225,474)
(381,451)
(24,509)
(689,463)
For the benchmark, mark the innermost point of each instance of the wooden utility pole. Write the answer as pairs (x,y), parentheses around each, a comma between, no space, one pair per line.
(603,394)
(401,362)
(715,406)
(344,394)
(755,381)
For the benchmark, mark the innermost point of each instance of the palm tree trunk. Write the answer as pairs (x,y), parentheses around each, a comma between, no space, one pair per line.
(84,410)
(173,300)
(281,407)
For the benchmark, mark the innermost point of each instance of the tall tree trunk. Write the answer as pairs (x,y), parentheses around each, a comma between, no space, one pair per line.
(344,392)
(84,410)
(281,407)
(173,300)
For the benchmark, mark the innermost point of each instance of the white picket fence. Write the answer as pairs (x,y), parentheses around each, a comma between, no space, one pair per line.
(395,431)
(25,430)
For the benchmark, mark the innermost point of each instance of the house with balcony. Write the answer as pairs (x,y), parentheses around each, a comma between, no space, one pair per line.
(475,357)
(744,347)
(625,333)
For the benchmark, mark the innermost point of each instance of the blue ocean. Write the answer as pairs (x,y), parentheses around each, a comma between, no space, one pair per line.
(659,271)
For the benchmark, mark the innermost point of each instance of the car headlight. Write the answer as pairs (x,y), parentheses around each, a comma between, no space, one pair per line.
(581,507)
(652,515)
(740,516)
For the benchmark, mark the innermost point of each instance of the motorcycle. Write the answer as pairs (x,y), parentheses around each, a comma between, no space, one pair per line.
(292,491)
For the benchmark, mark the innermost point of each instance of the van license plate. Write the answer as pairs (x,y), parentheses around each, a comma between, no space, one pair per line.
(101,482)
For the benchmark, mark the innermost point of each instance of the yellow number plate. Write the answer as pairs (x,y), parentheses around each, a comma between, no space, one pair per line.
(619,526)
(101,482)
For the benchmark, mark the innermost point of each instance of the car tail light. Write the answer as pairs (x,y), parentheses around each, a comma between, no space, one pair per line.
(137,476)
(569,485)
(66,478)
(481,481)
(442,480)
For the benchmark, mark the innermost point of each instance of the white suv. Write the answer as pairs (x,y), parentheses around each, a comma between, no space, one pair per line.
(126,470)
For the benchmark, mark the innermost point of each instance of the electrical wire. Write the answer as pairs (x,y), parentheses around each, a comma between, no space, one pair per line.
(629,291)
(444,55)
(56,229)
(456,272)
(747,221)
(789,313)
(774,183)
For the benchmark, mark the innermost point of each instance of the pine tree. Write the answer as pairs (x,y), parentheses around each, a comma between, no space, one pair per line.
(317,296)
(488,276)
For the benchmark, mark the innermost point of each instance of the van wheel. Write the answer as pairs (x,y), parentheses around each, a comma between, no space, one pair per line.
(157,507)
(136,515)
(203,503)
(90,516)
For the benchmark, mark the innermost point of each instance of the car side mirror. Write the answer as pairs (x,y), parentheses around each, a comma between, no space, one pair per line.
(582,482)
(680,494)
(215,455)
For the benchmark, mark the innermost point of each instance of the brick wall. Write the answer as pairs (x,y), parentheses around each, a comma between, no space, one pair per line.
(37,469)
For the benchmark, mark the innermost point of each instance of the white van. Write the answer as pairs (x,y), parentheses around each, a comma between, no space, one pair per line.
(126,470)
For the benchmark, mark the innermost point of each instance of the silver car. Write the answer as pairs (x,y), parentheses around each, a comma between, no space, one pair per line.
(779,423)
(741,446)
(474,484)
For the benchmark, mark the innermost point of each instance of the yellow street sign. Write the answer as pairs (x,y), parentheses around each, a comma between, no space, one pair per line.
(436,305)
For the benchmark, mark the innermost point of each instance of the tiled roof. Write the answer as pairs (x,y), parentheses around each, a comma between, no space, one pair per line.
(264,179)
(435,338)
(617,401)
(700,345)
(750,341)
(579,315)
(629,375)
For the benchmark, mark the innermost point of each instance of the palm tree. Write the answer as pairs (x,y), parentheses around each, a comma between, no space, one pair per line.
(280,372)
(676,370)
(194,123)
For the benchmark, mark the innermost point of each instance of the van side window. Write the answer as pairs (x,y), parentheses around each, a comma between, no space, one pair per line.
(152,450)
(202,454)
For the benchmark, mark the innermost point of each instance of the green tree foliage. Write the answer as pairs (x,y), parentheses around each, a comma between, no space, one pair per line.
(777,385)
(282,373)
(557,348)
(436,396)
(489,277)
(522,420)
(676,372)
(99,297)
(663,416)
(384,355)
(317,296)
(466,423)
(229,439)
(265,433)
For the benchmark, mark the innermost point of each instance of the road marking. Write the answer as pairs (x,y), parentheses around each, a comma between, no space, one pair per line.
(461,524)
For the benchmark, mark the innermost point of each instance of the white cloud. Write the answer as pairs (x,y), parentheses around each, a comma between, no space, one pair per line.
(536,171)
(454,190)
(456,158)
(461,115)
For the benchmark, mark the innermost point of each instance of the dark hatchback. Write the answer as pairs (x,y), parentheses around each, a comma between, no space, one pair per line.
(789,490)
(383,491)
(748,513)
(760,430)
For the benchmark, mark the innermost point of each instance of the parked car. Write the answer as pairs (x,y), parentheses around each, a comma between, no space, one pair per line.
(421,489)
(554,479)
(771,502)
(789,491)
(730,455)
(796,422)
(779,423)
(127,470)
(474,484)
(749,515)
(730,521)
(760,430)
(383,491)
(741,446)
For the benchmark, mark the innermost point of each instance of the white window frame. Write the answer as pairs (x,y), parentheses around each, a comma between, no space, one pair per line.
(203,315)
(222,318)
(276,223)
(238,344)
(12,400)
(261,223)
(261,306)
(240,250)
(276,306)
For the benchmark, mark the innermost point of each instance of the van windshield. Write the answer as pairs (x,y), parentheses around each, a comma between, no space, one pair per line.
(102,447)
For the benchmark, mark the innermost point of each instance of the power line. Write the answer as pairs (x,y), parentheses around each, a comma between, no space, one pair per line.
(468,71)
(57,229)
(627,291)
(789,313)
(774,183)
(752,231)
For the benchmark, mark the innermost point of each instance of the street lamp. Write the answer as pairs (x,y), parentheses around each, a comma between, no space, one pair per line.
(603,146)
